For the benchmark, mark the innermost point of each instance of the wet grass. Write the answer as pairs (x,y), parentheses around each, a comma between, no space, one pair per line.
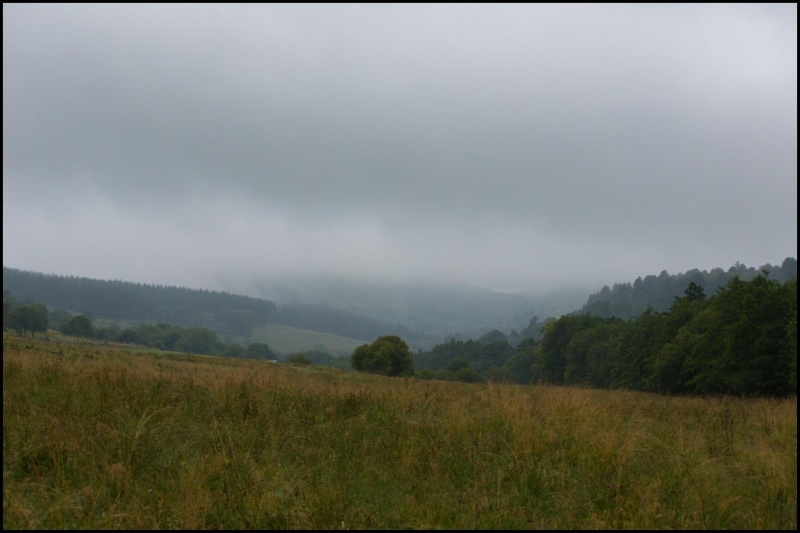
(96,437)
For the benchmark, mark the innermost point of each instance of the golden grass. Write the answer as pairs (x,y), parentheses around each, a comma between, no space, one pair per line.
(96,437)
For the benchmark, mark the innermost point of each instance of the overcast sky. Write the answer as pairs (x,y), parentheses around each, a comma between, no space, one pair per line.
(514,147)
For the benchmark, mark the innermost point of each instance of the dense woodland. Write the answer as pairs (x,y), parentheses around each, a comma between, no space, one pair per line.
(742,340)
(739,339)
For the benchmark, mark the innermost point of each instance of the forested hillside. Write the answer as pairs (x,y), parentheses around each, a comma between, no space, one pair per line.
(731,332)
(628,300)
(229,315)
(741,340)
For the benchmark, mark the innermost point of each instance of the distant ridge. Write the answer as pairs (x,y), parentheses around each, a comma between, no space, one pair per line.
(440,311)
(229,315)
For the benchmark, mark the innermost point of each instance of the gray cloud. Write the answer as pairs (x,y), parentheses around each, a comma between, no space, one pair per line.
(516,147)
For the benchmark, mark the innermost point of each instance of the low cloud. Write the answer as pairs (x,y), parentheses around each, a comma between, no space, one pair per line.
(513,147)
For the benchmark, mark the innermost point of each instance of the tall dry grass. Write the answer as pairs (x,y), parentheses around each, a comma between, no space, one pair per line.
(95,437)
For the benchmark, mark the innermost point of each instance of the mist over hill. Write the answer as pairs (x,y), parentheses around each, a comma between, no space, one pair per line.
(439,310)
(422,313)
(232,316)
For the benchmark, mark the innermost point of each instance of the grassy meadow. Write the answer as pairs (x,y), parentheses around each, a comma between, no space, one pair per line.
(287,340)
(98,437)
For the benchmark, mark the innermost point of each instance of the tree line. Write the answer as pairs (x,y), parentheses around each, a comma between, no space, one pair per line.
(628,300)
(29,318)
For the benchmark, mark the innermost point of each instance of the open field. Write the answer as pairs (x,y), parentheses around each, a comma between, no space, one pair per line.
(96,437)
(286,340)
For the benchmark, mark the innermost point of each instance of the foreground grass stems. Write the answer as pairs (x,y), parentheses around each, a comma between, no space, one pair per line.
(98,437)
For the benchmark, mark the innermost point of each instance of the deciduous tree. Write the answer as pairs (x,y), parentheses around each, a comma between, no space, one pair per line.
(388,355)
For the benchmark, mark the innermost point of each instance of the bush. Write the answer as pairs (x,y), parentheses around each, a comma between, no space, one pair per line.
(299,359)
(78,326)
(260,350)
(468,375)
(128,336)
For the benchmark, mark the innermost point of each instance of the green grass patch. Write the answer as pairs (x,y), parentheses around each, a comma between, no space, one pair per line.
(287,340)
